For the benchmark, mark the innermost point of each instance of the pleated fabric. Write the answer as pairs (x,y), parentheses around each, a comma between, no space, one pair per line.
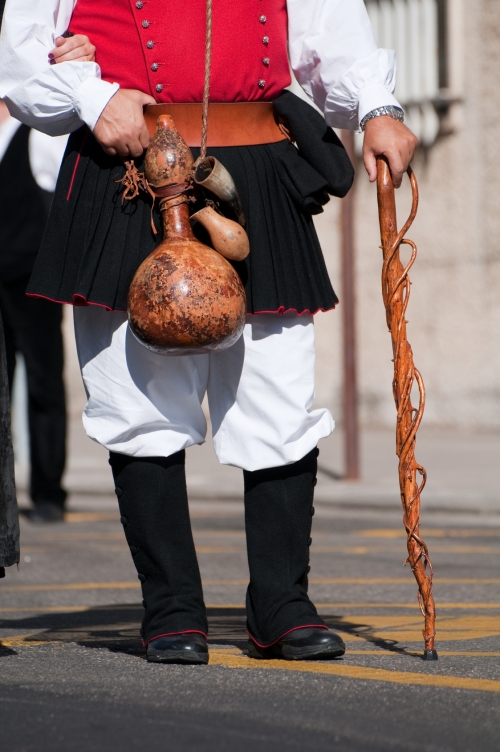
(94,242)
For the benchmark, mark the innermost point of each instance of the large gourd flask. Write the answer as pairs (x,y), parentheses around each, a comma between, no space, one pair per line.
(185,298)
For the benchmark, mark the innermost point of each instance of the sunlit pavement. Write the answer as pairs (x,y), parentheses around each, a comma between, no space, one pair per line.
(73,674)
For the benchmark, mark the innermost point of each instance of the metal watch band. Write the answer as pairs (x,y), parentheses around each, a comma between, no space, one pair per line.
(394,112)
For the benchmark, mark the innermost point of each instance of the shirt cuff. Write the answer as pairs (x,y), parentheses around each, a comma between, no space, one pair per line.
(373,96)
(91,98)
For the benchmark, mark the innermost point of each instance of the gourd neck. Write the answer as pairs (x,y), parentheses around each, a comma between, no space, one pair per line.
(176,224)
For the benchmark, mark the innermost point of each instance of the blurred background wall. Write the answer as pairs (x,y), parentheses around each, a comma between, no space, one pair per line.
(449,82)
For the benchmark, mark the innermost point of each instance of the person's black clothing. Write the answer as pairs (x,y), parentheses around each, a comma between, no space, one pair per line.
(24,210)
(278,520)
(9,515)
(320,154)
(95,242)
(154,512)
(33,328)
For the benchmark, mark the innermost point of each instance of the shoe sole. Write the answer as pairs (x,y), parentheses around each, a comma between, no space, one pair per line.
(180,656)
(299,654)
(312,654)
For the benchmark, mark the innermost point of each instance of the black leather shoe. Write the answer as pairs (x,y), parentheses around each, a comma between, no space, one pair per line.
(180,648)
(308,644)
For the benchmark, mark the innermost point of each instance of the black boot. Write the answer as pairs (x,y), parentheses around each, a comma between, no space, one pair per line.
(278,517)
(154,511)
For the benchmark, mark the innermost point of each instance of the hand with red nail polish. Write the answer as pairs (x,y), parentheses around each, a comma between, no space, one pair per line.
(77,48)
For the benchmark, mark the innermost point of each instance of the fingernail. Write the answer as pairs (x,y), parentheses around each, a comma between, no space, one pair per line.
(51,56)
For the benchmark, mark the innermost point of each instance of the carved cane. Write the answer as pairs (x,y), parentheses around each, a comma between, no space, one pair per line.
(396,295)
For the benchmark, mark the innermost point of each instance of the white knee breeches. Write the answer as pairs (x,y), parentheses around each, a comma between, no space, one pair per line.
(260,392)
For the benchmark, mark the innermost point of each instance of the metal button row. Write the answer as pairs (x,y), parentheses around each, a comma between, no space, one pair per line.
(150,44)
(265,60)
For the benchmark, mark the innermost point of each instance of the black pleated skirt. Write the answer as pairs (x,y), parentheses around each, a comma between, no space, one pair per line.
(94,243)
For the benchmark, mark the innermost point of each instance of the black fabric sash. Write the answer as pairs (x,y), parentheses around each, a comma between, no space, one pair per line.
(321,166)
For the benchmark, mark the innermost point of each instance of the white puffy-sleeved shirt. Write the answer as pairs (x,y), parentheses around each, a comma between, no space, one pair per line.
(332,51)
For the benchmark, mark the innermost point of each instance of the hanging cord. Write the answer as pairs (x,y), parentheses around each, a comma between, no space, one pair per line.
(206,83)
(133,180)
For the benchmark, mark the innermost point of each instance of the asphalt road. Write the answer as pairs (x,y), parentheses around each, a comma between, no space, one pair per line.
(73,675)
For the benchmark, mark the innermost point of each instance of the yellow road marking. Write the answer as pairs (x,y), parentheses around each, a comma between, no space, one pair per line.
(118,535)
(82,536)
(73,586)
(225,582)
(403,629)
(356,550)
(375,533)
(391,533)
(402,580)
(219,549)
(384,549)
(235,659)
(91,516)
(312,581)
(238,548)
(47,609)
(360,549)
(445,653)
(428,533)
(439,606)
(43,609)
(20,641)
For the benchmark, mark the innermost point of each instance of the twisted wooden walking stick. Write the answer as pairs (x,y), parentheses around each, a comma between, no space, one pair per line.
(396,295)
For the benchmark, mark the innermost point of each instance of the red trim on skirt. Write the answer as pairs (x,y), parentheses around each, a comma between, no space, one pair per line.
(281,310)
(75,168)
(80,300)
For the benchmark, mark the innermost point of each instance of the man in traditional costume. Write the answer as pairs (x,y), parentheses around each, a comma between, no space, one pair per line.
(146,408)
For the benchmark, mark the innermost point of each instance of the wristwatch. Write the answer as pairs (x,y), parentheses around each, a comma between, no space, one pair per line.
(394,112)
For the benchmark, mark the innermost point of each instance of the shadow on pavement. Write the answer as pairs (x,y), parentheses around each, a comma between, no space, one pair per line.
(117,628)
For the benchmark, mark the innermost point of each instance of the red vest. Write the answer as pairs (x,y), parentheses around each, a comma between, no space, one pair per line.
(158,46)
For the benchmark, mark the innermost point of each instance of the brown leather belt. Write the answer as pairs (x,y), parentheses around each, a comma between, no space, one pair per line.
(229,124)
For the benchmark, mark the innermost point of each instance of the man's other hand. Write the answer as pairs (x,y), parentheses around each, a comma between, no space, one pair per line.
(121,128)
(76,48)
(387,137)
